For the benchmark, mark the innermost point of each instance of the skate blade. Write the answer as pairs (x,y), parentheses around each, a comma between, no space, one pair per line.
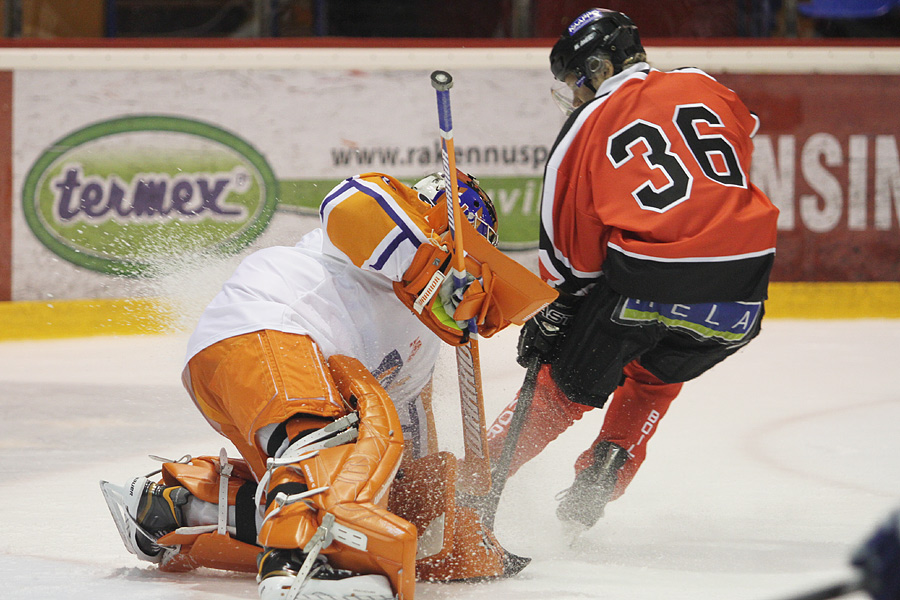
(574,532)
(125,523)
(115,501)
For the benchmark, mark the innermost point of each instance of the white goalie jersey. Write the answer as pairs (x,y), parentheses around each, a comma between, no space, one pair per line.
(335,286)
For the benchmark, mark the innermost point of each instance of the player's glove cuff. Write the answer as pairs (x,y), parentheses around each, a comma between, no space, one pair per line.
(541,333)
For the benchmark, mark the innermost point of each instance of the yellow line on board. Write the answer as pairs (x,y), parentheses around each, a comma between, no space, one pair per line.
(82,318)
(834,300)
(126,316)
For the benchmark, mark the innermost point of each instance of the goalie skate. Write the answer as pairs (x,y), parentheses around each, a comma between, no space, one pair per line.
(306,575)
(354,587)
(122,503)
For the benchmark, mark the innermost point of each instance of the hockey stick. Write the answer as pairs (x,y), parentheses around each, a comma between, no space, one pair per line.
(475,469)
(832,591)
(500,469)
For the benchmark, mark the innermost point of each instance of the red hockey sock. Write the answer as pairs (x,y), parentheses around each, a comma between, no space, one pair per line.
(632,417)
(550,414)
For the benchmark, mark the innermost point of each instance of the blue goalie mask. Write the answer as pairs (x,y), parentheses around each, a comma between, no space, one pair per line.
(475,203)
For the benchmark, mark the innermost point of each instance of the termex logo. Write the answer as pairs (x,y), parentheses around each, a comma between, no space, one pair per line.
(123,196)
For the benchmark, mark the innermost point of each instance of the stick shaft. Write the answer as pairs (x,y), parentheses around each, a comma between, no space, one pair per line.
(500,469)
(475,469)
(442,82)
(831,591)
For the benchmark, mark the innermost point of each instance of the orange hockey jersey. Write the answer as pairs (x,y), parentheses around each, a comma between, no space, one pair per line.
(648,185)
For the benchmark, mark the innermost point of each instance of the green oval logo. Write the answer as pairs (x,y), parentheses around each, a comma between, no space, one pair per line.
(123,196)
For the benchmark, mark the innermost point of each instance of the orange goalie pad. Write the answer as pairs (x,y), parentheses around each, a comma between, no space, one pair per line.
(508,293)
(358,477)
(370,469)
(209,549)
(453,543)
(201,477)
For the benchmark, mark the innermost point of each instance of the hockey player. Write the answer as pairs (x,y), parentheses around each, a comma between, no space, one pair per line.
(310,361)
(658,243)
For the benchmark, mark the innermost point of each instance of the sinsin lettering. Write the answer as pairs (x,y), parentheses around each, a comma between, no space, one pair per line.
(147,196)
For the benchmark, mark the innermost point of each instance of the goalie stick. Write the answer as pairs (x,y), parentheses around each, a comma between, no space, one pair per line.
(832,591)
(475,469)
(487,509)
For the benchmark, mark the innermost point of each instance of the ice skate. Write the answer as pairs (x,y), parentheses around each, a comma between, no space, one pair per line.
(583,504)
(143,512)
(291,575)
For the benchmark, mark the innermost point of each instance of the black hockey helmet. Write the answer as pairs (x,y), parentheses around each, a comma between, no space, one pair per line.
(600,29)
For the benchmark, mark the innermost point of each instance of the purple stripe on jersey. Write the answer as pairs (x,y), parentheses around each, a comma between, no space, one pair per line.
(334,194)
(406,233)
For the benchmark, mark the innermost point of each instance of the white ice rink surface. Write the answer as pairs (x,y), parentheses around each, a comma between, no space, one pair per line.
(764,475)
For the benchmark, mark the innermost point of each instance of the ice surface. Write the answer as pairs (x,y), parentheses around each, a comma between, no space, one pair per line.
(764,475)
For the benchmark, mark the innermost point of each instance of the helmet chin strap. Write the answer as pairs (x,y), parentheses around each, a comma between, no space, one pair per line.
(586,82)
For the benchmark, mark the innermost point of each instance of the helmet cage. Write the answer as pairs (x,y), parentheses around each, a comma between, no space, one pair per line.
(475,203)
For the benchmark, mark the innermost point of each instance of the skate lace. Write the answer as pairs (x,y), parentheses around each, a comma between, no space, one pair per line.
(560,495)
(183,460)
(584,481)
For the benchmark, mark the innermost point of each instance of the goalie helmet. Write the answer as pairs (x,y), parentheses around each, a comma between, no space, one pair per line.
(597,30)
(474,201)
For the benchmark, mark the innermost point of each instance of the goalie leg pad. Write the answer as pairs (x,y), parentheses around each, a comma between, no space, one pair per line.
(349,483)
(369,538)
(246,383)
(200,476)
(210,550)
(229,486)
(183,547)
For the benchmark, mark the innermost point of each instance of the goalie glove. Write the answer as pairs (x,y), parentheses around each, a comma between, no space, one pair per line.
(450,297)
(541,333)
